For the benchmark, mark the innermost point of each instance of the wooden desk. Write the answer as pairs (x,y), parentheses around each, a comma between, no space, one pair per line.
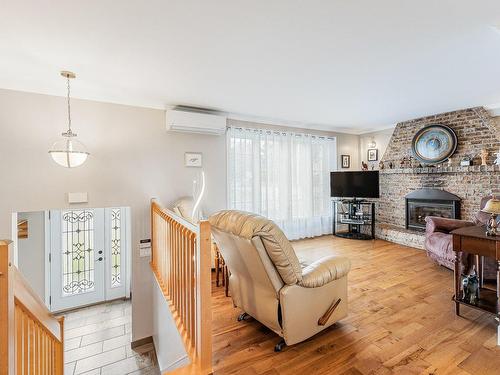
(473,240)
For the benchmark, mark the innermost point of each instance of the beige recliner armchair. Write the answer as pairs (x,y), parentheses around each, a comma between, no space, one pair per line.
(296,299)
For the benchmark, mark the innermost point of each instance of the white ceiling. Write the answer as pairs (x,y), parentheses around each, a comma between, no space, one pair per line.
(354,65)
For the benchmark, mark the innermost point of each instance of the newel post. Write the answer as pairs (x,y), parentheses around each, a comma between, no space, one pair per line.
(7,354)
(205,284)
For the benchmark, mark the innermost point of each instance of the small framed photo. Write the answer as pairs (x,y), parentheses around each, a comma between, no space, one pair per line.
(193,159)
(372,154)
(346,161)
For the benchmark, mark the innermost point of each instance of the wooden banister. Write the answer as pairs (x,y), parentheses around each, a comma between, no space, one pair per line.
(32,339)
(181,263)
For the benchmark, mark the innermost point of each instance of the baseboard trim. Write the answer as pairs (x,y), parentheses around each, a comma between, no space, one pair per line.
(140,342)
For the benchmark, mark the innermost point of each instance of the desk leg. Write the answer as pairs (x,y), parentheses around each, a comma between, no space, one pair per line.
(458,257)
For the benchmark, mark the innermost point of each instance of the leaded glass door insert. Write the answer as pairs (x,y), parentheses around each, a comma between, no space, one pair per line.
(116,245)
(78,253)
(77,257)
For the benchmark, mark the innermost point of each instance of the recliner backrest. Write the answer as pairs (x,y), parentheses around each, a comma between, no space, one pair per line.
(247,226)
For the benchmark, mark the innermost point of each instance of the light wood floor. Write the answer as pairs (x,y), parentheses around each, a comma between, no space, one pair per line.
(401,321)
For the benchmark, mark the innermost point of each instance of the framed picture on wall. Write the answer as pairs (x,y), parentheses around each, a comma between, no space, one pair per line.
(372,154)
(193,159)
(346,161)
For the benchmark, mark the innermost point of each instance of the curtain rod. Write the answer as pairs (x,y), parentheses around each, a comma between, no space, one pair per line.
(298,134)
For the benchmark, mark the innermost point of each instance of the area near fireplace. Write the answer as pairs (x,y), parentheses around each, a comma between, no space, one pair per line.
(475,130)
(430,202)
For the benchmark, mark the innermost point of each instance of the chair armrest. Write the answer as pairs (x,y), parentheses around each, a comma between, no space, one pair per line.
(324,270)
(441,224)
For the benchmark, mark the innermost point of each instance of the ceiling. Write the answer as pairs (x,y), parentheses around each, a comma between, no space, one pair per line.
(354,66)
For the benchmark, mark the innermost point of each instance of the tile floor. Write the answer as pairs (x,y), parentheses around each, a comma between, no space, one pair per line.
(97,341)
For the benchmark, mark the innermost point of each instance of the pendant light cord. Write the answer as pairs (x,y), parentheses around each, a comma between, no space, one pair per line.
(69,108)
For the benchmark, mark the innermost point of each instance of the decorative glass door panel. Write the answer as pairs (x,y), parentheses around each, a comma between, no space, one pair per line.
(78,252)
(116,241)
(88,253)
(76,258)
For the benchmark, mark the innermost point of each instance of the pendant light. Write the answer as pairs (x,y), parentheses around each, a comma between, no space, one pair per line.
(68,151)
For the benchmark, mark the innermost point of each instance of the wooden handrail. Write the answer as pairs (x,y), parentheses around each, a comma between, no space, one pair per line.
(32,339)
(181,263)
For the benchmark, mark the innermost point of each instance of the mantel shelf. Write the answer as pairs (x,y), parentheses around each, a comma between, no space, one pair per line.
(442,170)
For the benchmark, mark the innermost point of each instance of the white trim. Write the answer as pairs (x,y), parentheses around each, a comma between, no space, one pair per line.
(47,238)
(128,247)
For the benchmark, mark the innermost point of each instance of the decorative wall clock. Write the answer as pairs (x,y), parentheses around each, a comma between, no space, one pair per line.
(434,144)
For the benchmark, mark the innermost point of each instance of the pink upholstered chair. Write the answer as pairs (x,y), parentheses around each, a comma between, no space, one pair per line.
(438,240)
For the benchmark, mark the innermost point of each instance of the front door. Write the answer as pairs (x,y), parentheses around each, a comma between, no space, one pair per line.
(87,257)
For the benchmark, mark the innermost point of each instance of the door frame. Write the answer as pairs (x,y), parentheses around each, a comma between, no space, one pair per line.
(128,256)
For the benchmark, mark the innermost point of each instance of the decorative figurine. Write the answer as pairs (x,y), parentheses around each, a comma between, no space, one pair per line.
(364,166)
(391,165)
(449,162)
(497,160)
(381,165)
(402,164)
(473,289)
(465,282)
(466,161)
(484,154)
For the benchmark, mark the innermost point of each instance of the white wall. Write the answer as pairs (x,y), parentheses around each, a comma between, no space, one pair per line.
(381,137)
(31,251)
(170,350)
(132,159)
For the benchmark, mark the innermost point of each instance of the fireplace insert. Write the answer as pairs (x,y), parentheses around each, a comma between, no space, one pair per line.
(430,202)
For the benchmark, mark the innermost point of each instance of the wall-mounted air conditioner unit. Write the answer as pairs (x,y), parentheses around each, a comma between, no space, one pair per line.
(195,122)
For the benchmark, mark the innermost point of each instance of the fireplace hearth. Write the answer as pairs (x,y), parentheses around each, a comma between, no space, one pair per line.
(430,202)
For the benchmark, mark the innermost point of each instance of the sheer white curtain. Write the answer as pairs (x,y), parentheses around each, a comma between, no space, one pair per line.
(283,176)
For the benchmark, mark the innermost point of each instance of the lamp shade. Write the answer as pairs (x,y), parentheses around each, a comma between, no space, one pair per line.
(69,152)
(492,206)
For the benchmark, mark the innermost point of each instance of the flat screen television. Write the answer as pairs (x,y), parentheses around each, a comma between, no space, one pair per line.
(362,184)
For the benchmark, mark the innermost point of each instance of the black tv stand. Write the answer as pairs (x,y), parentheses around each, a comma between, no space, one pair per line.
(354,219)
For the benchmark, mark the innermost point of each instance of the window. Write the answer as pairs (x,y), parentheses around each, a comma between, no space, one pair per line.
(283,176)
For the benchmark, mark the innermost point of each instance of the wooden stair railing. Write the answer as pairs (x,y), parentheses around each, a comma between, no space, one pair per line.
(32,339)
(181,262)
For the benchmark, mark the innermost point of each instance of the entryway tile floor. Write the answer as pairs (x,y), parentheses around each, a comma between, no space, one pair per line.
(97,342)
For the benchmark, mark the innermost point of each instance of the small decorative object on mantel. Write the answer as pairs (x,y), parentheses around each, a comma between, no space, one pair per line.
(484,155)
(492,207)
(346,161)
(193,159)
(497,160)
(391,165)
(450,163)
(364,166)
(372,154)
(381,165)
(434,144)
(466,161)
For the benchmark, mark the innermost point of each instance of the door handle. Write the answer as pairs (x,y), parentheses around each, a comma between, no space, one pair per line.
(100,259)
(100,251)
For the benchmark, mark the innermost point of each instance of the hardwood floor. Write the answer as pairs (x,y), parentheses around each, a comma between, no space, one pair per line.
(401,321)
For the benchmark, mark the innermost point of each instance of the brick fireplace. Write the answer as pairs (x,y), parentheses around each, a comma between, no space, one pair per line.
(475,130)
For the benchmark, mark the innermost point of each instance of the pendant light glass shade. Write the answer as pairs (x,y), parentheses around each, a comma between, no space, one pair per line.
(68,151)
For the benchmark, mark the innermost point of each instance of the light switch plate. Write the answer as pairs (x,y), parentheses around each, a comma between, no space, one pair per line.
(77,198)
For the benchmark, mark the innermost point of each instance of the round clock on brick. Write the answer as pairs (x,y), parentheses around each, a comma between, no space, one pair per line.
(434,144)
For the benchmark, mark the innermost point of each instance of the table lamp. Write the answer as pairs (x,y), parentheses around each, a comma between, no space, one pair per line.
(492,207)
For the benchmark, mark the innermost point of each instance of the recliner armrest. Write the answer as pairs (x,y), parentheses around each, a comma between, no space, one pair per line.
(441,224)
(324,270)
